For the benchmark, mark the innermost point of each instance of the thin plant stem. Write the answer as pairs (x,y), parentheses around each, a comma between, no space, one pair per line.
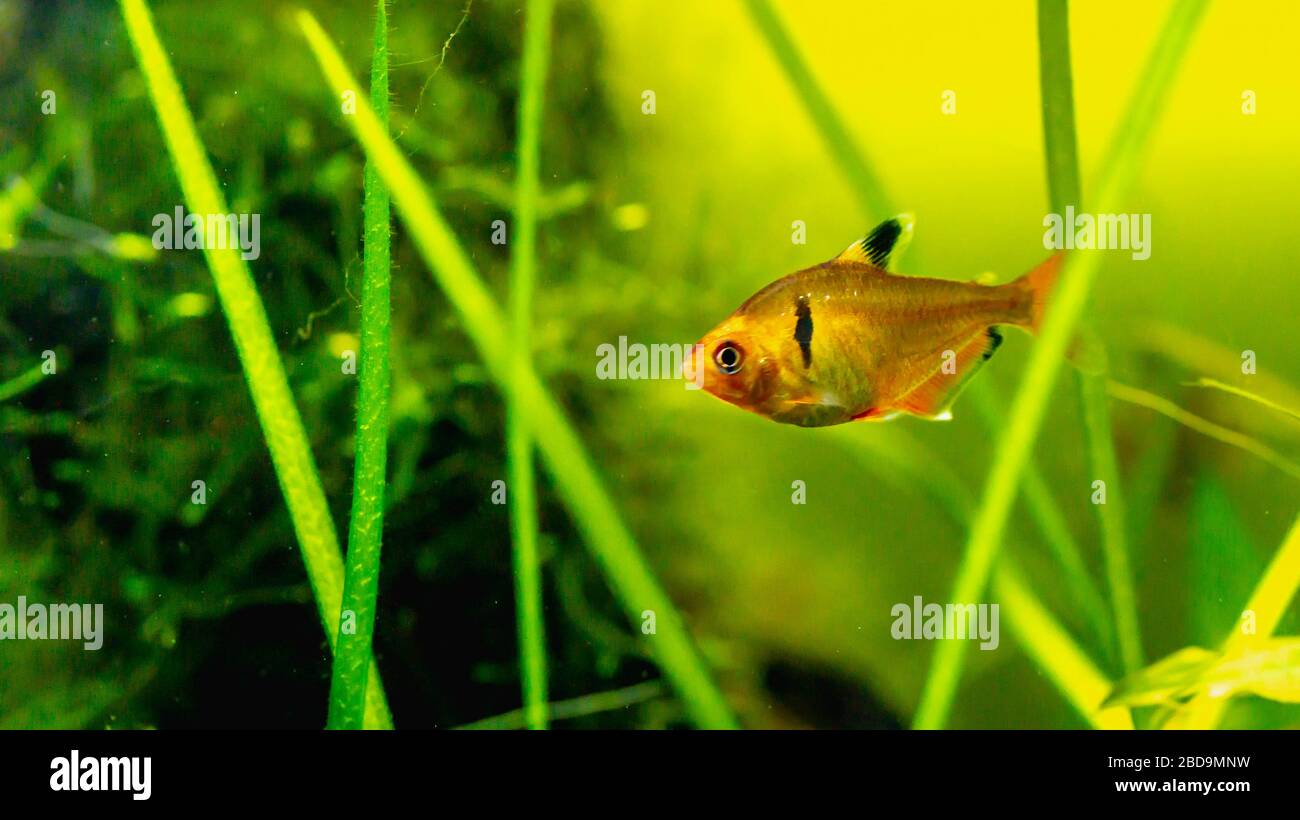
(583,706)
(354,650)
(1232,438)
(1044,640)
(1083,685)
(1064,190)
(23,382)
(1215,384)
(563,453)
(519,446)
(1268,603)
(876,203)
(865,183)
(1057,91)
(1056,534)
(1114,539)
(281,425)
(1029,405)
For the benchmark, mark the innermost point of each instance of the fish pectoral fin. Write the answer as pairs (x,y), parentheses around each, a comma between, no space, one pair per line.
(932,398)
(883,245)
(874,414)
(814,410)
(822,399)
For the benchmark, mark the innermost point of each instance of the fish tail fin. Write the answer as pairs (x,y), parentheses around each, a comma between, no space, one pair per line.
(1085,350)
(1039,283)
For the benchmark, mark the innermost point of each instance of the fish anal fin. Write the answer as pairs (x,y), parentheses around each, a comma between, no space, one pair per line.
(932,398)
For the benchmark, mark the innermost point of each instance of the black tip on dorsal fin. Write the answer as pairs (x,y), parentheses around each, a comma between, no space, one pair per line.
(883,245)
(879,244)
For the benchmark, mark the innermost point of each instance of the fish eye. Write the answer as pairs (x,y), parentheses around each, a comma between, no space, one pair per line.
(729,358)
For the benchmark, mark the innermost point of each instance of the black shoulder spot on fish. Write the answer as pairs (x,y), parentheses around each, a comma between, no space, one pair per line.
(995,341)
(803,329)
(879,244)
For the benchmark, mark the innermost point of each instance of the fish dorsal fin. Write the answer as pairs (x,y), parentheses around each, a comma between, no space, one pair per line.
(883,245)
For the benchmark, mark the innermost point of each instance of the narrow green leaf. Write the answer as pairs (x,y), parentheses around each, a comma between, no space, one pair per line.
(1056,533)
(1029,406)
(1268,668)
(281,425)
(353,652)
(565,457)
(1165,680)
(1268,603)
(876,204)
(898,459)
(1215,384)
(866,184)
(1222,562)
(1061,149)
(21,383)
(1143,398)
(1104,466)
(519,446)
(1050,646)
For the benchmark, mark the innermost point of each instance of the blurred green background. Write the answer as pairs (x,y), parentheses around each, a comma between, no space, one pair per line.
(655,227)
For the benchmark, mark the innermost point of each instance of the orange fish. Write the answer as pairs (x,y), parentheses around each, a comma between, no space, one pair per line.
(848,339)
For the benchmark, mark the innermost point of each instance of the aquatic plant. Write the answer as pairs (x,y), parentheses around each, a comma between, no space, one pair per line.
(352,651)
(281,425)
(1061,150)
(523,503)
(1079,681)
(563,453)
(1078,633)
(1029,405)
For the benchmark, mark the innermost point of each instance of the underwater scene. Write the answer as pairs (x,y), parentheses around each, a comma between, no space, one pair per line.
(617,364)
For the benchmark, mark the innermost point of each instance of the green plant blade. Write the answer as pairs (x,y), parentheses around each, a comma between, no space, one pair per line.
(1056,78)
(1222,562)
(577,707)
(866,183)
(1030,403)
(1061,150)
(354,650)
(1267,604)
(1104,465)
(563,453)
(1191,421)
(281,425)
(519,447)
(876,203)
(1050,647)
(1055,531)
(21,383)
(1268,668)
(1047,644)
(1163,681)
(1215,384)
